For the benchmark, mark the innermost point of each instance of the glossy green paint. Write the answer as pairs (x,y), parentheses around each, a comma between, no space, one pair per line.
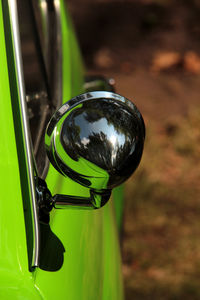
(91,260)
(118,197)
(80,258)
(16,282)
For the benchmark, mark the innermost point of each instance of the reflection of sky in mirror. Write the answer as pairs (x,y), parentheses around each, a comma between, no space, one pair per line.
(85,141)
(114,137)
(102,125)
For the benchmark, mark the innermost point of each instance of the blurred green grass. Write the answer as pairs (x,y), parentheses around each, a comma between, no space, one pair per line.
(161,250)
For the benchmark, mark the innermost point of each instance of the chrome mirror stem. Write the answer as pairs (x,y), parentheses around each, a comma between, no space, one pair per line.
(47,202)
(96,200)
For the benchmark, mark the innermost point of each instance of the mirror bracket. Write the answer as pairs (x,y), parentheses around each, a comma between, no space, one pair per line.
(46,202)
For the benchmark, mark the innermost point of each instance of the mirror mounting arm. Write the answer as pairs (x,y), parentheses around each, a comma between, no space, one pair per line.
(44,197)
(46,202)
(96,200)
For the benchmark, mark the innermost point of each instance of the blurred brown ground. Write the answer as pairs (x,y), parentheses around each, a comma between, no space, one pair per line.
(152,49)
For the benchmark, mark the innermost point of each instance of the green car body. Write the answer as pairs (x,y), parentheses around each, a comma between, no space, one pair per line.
(79,254)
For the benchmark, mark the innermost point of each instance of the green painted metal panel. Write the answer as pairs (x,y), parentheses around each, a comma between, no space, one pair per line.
(118,197)
(16,282)
(89,252)
(80,258)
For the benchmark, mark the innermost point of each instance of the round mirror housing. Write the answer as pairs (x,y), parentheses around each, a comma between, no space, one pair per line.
(96,139)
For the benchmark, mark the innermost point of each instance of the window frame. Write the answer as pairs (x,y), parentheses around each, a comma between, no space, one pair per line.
(48,13)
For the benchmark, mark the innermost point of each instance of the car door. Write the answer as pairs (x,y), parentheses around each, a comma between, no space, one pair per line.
(78,255)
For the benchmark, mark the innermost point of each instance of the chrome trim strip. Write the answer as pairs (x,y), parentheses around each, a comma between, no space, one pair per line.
(58,80)
(57,92)
(22,96)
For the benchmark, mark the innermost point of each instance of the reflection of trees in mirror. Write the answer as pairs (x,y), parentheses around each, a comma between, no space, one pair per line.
(98,150)
(113,111)
(71,134)
(105,133)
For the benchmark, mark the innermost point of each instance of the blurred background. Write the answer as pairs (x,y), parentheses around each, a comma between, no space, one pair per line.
(152,49)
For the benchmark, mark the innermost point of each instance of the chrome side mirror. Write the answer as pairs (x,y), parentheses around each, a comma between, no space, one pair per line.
(97,140)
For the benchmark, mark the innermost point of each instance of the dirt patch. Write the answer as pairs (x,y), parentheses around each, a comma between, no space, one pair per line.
(152,49)
(123,38)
